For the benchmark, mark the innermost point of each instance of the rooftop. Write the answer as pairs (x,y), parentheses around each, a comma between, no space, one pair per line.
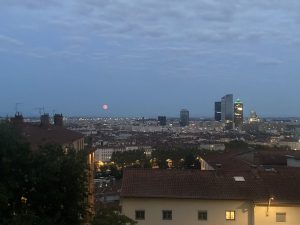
(255,185)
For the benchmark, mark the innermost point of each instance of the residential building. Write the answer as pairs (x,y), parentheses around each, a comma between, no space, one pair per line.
(104,154)
(196,197)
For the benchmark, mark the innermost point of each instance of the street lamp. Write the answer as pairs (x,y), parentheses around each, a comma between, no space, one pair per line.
(269,203)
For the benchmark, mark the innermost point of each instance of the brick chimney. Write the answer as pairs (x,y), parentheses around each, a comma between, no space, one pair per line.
(58,120)
(45,120)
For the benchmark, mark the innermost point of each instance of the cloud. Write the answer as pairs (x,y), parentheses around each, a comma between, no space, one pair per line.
(5,40)
(192,27)
(31,4)
(269,61)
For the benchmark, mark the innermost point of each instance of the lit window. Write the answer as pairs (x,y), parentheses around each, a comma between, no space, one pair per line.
(280,217)
(202,215)
(140,214)
(230,215)
(167,214)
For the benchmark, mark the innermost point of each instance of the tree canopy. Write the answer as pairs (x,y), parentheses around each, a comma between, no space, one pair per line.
(44,187)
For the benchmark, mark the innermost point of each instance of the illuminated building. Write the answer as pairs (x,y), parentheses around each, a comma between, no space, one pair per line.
(238,114)
(218,111)
(253,117)
(184,117)
(227,111)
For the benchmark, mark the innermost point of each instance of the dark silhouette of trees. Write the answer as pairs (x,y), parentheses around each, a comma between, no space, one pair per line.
(44,187)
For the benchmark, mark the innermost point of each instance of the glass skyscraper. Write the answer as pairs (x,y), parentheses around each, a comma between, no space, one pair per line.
(218,111)
(227,111)
(184,117)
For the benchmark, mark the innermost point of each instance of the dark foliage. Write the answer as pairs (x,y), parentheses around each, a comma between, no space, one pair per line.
(44,187)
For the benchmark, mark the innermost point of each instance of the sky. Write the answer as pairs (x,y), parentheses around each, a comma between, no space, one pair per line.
(149,57)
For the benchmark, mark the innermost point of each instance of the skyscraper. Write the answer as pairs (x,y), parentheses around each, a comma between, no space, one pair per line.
(184,117)
(227,111)
(238,114)
(218,111)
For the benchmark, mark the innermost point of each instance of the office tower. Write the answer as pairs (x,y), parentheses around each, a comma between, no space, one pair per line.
(227,111)
(253,117)
(162,120)
(184,117)
(238,114)
(218,111)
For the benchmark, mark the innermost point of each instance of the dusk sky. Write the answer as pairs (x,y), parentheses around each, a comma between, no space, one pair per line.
(149,57)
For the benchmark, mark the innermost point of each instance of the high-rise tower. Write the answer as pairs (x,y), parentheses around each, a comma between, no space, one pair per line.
(227,111)
(218,111)
(184,117)
(238,114)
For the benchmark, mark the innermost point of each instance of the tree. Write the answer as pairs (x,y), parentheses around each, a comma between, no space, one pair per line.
(44,187)
(236,145)
(110,216)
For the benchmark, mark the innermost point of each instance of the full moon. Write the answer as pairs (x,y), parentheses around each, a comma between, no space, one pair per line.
(105,107)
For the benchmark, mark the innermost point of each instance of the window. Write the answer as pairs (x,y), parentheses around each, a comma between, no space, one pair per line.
(230,215)
(140,214)
(202,215)
(280,217)
(167,214)
(239,179)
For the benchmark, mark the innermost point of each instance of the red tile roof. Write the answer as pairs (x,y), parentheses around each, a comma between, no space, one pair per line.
(37,135)
(213,185)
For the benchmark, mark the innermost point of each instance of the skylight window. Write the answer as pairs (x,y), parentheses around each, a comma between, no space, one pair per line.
(239,179)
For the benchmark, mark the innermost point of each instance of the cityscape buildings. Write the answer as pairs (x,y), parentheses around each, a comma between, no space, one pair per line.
(238,114)
(184,117)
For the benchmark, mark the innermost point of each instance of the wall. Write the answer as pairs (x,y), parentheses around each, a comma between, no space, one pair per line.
(185,212)
(292,215)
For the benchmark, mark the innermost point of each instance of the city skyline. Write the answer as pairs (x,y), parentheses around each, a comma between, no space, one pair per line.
(105,112)
(74,56)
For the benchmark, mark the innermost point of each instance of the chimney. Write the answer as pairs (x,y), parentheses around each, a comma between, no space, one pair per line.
(58,120)
(45,120)
(18,120)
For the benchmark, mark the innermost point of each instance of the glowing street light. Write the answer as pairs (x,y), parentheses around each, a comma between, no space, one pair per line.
(269,204)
